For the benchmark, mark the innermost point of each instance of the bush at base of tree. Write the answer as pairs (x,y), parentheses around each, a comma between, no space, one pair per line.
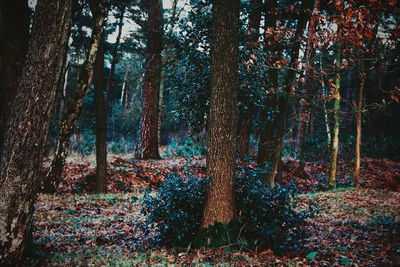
(267,217)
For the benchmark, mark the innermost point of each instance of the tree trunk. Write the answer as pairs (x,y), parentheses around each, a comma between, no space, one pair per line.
(28,127)
(266,146)
(363,77)
(148,145)
(335,117)
(309,73)
(164,62)
(284,101)
(101,121)
(245,120)
(124,89)
(14,38)
(220,194)
(244,136)
(324,94)
(73,109)
(115,50)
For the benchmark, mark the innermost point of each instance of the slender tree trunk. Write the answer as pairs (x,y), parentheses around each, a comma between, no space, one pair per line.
(115,51)
(309,73)
(73,109)
(148,145)
(324,94)
(220,194)
(244,136)
(363,77)
(28,127)
(14,38)
(267,144)
(246,116)
(164,62)
(101,121)
(284,101)
(335,117)
(124,90)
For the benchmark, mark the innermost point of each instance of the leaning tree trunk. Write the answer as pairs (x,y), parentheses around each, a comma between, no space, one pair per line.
(101,121)
(335,116)
(14,38)
(363,77)
(74,107)
(220,194)
(28,127)
(148,144)
(309,73)
(284,101)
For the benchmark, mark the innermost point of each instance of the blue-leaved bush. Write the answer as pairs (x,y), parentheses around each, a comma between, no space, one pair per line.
(267,218)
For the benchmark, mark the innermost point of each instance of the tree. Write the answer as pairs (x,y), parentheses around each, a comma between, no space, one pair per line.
(220,195)
(101,121)
(14,39)
(267,143)
(363,77)
(74,107)
(247,113)
(28,127)
(335,112)
(115,48)
(309,73)
(148,144)
(284,100)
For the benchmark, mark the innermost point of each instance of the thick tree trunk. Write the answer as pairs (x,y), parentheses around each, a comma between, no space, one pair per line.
(363,77)
(220,194)
(148,145)
(28,127)
(101,121)
(309,73)
(115,50)
(73,109)
(335,117)
(14,38)
(284,101)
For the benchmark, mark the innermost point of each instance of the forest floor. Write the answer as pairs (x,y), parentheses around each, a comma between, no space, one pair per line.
(354,226)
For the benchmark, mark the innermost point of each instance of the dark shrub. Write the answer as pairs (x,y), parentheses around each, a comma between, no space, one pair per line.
(176,210)
(267,217)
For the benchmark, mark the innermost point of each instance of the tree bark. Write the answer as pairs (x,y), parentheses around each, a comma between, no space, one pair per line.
(220,194)
(28,127)
(148,144)
(335,116)
(363,77)
(266,146)
(14,39)
(309,73)
(324,94)
(101,121)
(284,100)
(245,120)
(74,107)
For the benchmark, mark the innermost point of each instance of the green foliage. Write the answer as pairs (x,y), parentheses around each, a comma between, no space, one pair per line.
(267,217)
(188,148)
